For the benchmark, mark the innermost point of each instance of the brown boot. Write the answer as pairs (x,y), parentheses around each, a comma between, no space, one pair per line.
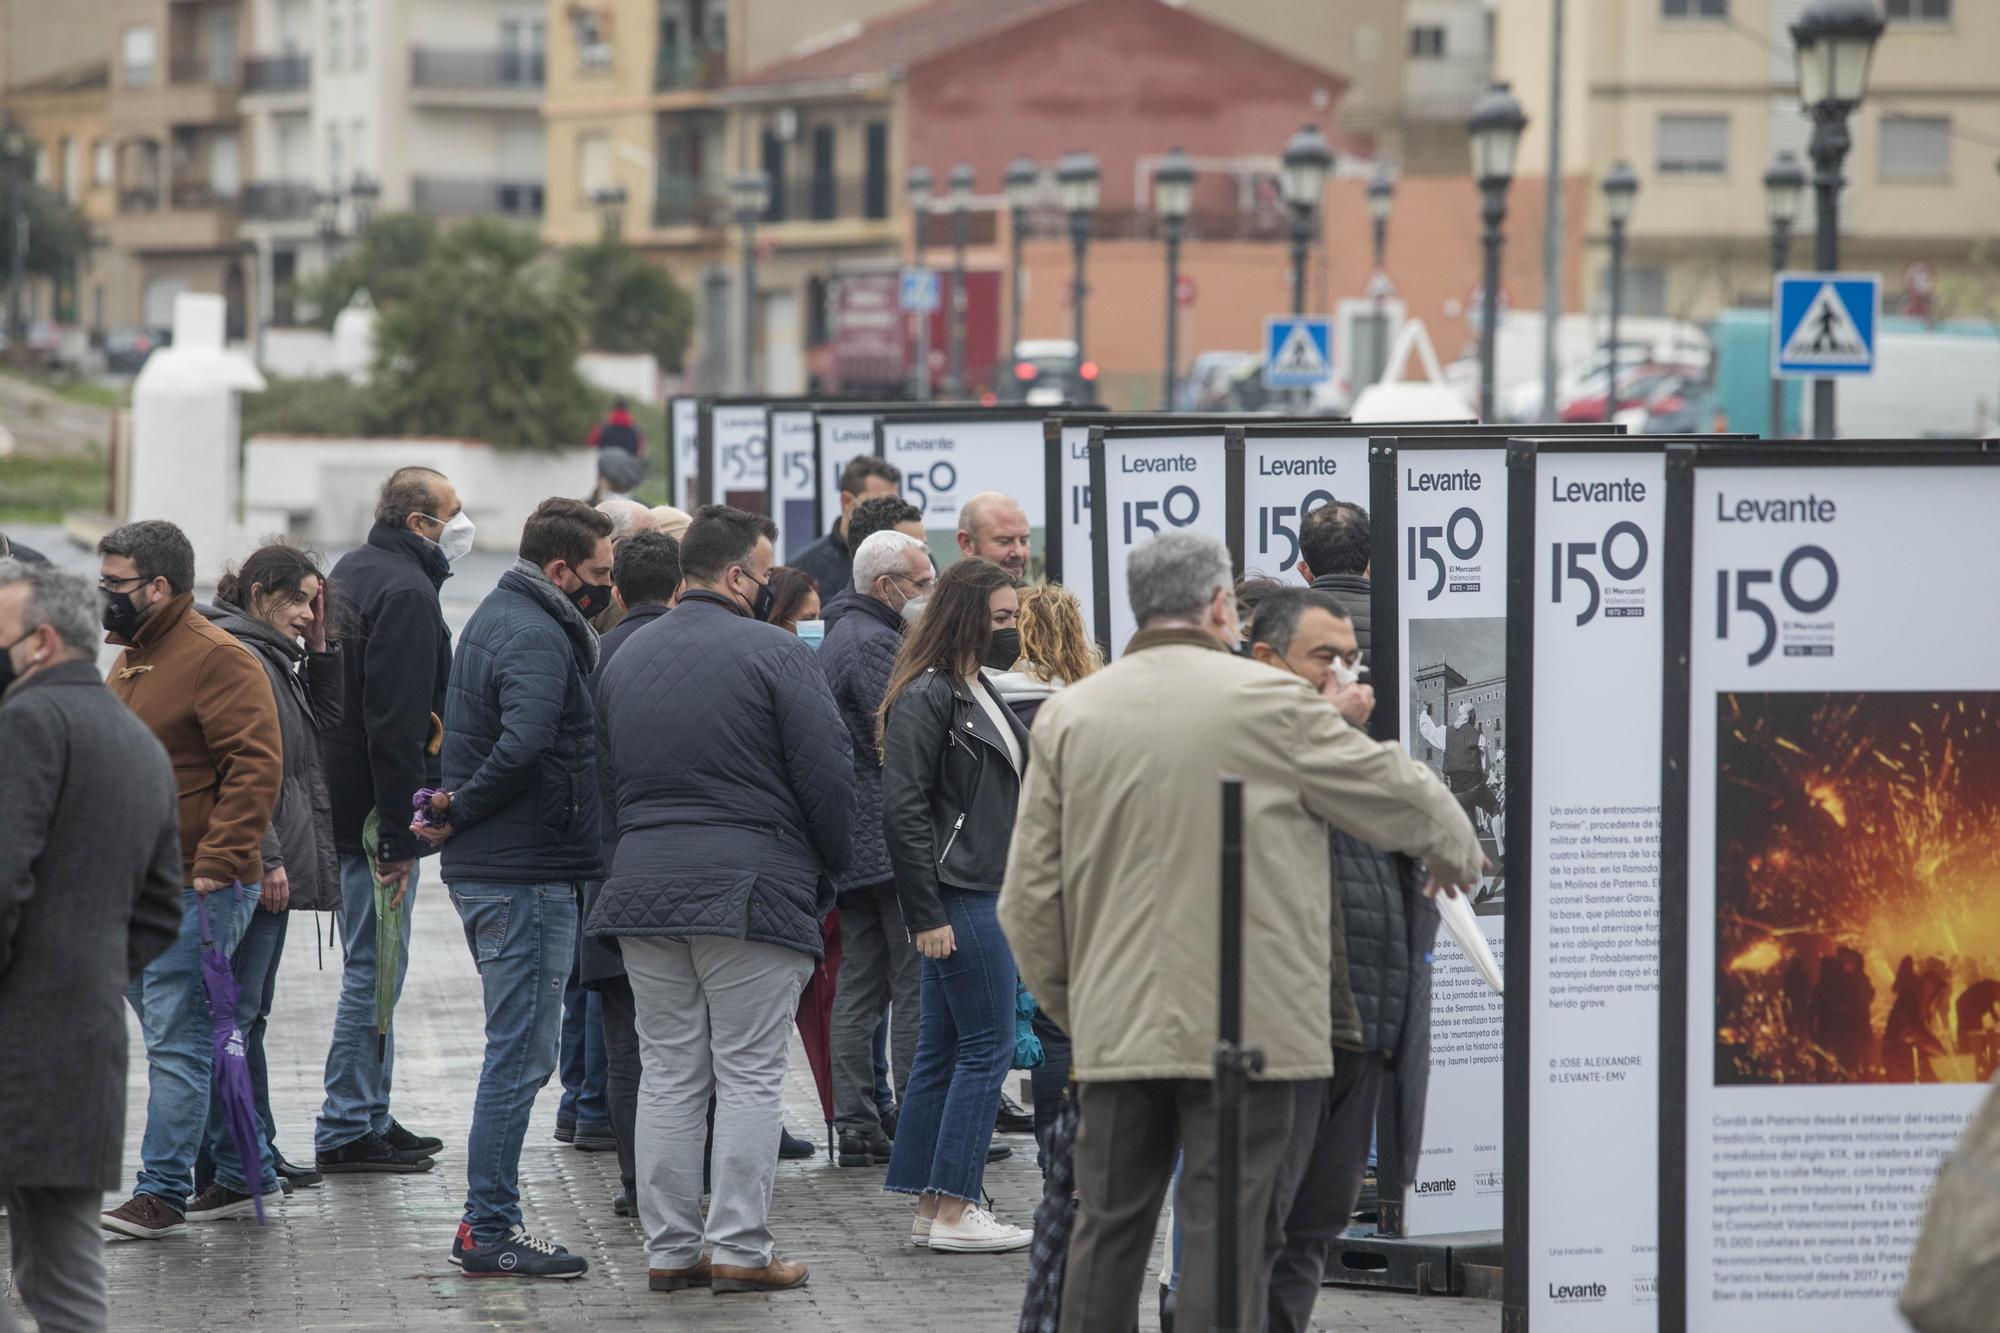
(678,1279)
(778,1275)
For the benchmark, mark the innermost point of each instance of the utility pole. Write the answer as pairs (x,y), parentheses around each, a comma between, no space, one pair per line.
(1552,225)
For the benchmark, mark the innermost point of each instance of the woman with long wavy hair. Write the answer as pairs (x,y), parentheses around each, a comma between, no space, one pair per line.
(952,759)
(1056,650)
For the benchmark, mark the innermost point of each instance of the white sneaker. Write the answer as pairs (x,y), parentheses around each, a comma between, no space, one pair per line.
(920,1231)
(978,1232)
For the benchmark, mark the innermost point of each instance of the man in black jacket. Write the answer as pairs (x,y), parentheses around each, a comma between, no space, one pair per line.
(865,627)
(521,835)
(830,559)
(396,661)
(734,781)
(1333,557)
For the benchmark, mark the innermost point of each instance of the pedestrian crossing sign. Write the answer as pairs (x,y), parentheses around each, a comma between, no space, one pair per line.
(1826,324)
(1298,351)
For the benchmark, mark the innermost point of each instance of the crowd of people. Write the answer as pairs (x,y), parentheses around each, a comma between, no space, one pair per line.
(1011,844)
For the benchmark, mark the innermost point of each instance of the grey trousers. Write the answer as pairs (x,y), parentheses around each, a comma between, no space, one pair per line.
(58,1257)
(714,1014)
(1125,1141)
(878,966)
(1318,1183)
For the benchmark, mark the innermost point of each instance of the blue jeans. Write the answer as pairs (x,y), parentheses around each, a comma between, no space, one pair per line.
(180,1045)
(965,1046)
(583,1063)
(523,938)
(357,1082)
(255,963)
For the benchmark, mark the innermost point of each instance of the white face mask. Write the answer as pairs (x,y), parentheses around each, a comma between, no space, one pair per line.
(455,539)
(913,610)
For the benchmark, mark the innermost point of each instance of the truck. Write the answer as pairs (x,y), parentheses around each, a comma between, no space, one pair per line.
(871,346)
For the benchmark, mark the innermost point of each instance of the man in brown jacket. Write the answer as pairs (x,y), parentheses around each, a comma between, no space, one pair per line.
(206,699)
(1110,904)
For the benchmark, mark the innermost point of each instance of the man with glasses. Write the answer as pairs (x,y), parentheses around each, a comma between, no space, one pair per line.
(878,963)
(207,701)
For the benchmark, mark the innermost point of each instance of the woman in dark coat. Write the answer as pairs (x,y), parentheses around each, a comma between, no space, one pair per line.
(952,758)
(276,605)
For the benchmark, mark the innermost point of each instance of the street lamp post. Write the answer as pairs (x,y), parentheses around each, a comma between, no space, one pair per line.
(1621,191)
(1784,191)
(1381,195)
(1173,199)
(610,202)
(1023,179)
(918,186)
(1495,128)
(961,185)
(14,144)
(364,192)
(751,191)
(1077,184)
(1307,162)
(1832,43)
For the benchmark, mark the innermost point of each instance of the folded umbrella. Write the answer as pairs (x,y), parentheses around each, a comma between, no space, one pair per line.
(232,1064)
(388,934)
(1055,1218)
(1027,1046)
(815,1018)
(1456,911)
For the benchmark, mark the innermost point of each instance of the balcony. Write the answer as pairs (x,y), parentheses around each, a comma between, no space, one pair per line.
(193,94)
(691,202)
(192,216)
(450,77)
(683,69)
(276,76)
(464,196)
(820,199)
(277,201)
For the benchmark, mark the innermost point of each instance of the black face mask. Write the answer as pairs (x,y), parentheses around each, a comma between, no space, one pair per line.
(118,613)
(7,672)
(1003,649)
(760,605)
(590,598)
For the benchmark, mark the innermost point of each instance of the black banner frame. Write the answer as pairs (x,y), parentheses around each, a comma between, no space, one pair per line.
(1100,551)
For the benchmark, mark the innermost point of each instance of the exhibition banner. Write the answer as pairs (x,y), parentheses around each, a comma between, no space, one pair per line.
(1144,481)
(1581,772)
(947,458)
(1439,524)
(1829,945)
(1066,479)
(844,434)
(788,484)
(733,463)
(1289,471)
(684,451)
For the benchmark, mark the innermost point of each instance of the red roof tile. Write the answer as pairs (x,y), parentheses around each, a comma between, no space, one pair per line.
(904,39)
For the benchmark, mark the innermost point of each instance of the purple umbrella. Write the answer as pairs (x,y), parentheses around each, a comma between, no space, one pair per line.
(232,1066)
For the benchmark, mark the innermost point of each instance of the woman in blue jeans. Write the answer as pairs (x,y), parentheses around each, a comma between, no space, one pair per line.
(952,759)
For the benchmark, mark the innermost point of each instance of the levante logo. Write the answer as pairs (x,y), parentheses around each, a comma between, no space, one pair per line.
(1582,1293)
(1436,1188)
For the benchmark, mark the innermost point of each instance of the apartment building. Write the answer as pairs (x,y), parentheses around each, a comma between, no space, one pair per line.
(1698,95)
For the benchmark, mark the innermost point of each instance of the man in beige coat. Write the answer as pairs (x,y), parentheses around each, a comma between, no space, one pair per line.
(1111,906)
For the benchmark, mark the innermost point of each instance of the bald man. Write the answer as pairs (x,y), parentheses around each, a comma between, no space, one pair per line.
(673,521)
(628,519)
(995,527)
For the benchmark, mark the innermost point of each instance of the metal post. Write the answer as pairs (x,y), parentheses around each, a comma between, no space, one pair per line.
(1301,245)
(1552,224)
(959,224)
(1079,239)
(1173,311)
(1781,246)
(1234,1064)
(749,303)
(1014,274)
(1617,300)
(1380,285)
(1493,211)
(17,253)
(1829,147)
(923,386)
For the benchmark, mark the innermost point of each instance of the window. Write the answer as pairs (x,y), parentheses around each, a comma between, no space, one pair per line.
(103,162)
(1917,11)
(1694,145)
(1427,43)
(774,171)
(824,202)
(359,36)
(72,170)
(357,136)
(1916,148)
(593,164)
(336,36)
(875,183)
(1694,9)
(136,57)
(336,163)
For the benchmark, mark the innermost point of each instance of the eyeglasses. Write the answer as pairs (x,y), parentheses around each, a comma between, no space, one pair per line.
(921,585)
(110,585)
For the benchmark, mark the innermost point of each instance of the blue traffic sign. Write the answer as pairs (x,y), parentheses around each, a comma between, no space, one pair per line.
(1826,324)
(919,292)
(1298,351)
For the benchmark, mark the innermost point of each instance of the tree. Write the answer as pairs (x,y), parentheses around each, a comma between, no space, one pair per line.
(58,235)
(484,346)
(386,263)
(634,304)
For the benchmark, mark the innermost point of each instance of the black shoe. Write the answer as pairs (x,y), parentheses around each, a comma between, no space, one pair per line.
(403,1141)
(1012,1119)
(565,1131)
(622,1205)
(865,1149)
(792,1148)
(520,1254)
(1169,1299)
(292,1174)
(889,1120)
(369,1153)
(588,1139)
(998,1152)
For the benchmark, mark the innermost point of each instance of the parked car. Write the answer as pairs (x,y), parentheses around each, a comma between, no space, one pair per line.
(1635,386)
(1206,385)
(125,350)
(1048,371)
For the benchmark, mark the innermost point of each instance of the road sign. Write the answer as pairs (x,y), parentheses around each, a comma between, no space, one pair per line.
(1826,324)
(1298,351)
(919,292)
(1184,289)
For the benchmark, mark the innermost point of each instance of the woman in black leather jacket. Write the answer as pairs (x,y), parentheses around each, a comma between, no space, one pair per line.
(952,759)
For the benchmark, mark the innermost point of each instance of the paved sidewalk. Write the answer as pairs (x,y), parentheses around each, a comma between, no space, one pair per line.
(366,1252)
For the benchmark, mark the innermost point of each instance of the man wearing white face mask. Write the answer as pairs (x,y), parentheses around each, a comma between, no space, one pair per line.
(397,660)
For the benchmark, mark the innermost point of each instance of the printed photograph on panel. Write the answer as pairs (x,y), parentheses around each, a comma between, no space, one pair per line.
(1857,841)
(1457,725)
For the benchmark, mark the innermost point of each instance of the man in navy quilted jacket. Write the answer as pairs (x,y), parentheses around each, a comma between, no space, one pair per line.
(520,836)
(734,779)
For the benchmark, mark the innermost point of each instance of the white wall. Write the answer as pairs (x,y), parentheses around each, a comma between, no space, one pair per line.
(636,375)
